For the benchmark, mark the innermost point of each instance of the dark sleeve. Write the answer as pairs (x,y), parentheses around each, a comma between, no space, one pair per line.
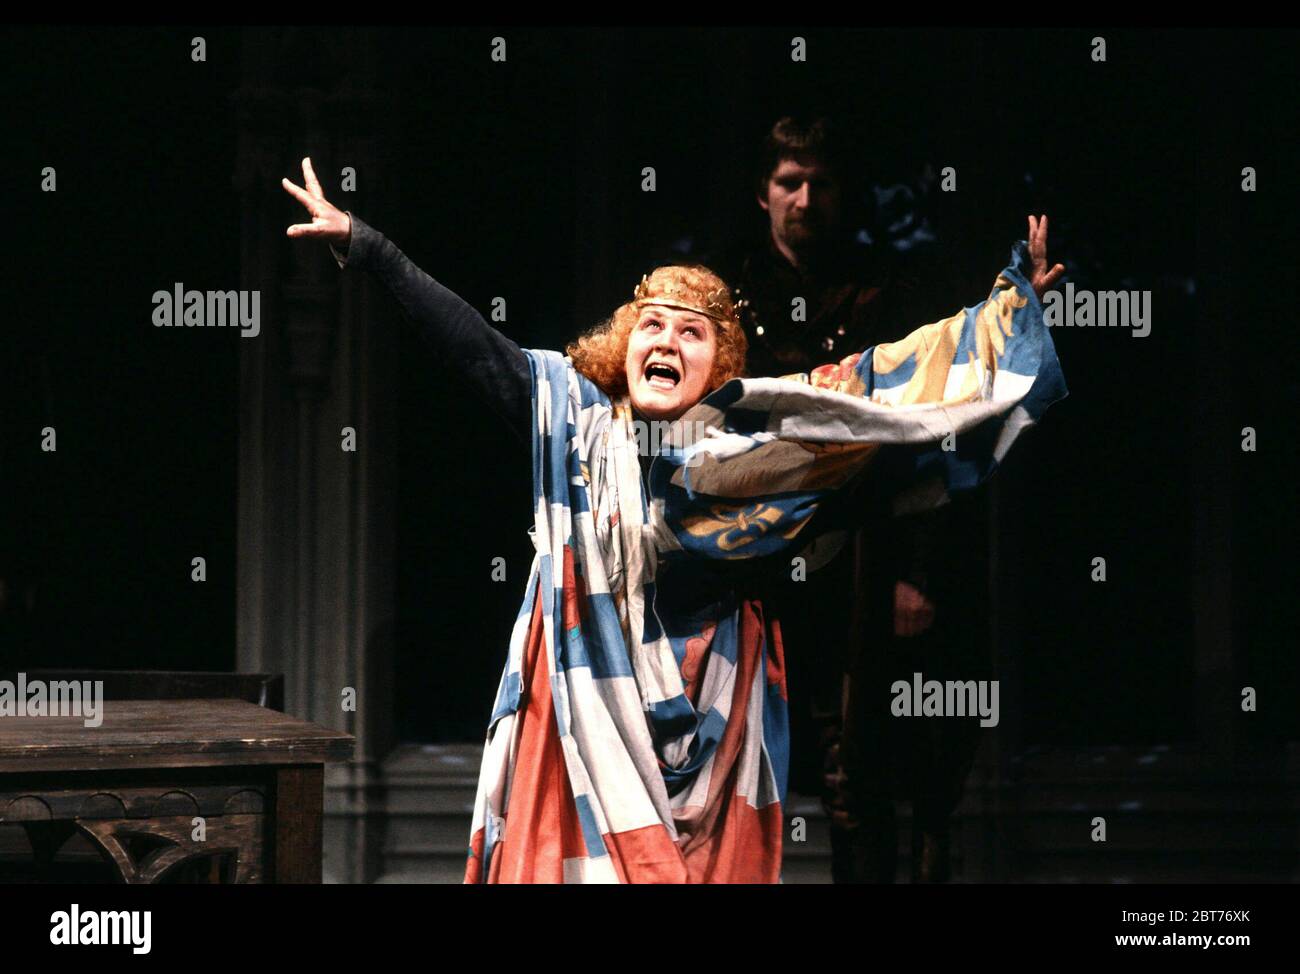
(920,538)
(495,368)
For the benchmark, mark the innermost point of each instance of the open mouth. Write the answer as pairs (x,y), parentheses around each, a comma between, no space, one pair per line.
(662,377)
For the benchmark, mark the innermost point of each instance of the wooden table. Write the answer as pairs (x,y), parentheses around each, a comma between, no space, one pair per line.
(199,790)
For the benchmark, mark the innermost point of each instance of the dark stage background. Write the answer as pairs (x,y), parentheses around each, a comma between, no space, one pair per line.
(523,179)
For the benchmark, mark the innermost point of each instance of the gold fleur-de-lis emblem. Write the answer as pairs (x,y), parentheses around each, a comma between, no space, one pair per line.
(735,526)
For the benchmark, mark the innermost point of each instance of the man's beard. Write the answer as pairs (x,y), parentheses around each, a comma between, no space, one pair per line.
(806,234)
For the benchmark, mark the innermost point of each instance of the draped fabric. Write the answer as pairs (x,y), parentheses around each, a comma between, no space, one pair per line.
(639,732)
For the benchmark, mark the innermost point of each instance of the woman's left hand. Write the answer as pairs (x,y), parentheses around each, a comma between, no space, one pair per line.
(1041,278)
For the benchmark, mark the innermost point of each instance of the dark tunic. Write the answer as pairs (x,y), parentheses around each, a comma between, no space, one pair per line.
(856,297)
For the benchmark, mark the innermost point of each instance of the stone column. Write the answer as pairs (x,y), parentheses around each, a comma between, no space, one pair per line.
(316,571)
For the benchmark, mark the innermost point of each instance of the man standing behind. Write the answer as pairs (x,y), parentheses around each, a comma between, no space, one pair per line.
(816,294)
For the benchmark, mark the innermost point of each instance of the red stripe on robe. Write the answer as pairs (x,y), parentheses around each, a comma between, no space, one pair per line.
(732,841)
(542,829)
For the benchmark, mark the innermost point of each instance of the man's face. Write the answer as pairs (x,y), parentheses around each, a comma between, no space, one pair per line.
(669,361)
(803,203)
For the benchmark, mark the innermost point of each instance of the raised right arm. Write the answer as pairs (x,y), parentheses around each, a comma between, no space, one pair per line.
(493,366)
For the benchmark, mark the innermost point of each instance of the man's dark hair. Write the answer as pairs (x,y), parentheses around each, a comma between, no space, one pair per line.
(804,140)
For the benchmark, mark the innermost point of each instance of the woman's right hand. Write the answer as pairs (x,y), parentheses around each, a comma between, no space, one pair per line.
(327,222)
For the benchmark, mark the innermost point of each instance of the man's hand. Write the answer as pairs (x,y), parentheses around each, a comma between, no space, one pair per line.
(327,222)
(913,612)
(1041,278)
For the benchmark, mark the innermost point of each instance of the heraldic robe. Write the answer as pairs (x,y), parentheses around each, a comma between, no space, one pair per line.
(639,732)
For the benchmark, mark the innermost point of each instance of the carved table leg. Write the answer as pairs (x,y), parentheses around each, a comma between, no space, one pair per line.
(296,824)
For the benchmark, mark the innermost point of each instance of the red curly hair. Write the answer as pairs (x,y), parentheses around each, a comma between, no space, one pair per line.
(601,353)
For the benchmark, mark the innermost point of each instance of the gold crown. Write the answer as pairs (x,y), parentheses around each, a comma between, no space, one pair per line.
(672,294)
